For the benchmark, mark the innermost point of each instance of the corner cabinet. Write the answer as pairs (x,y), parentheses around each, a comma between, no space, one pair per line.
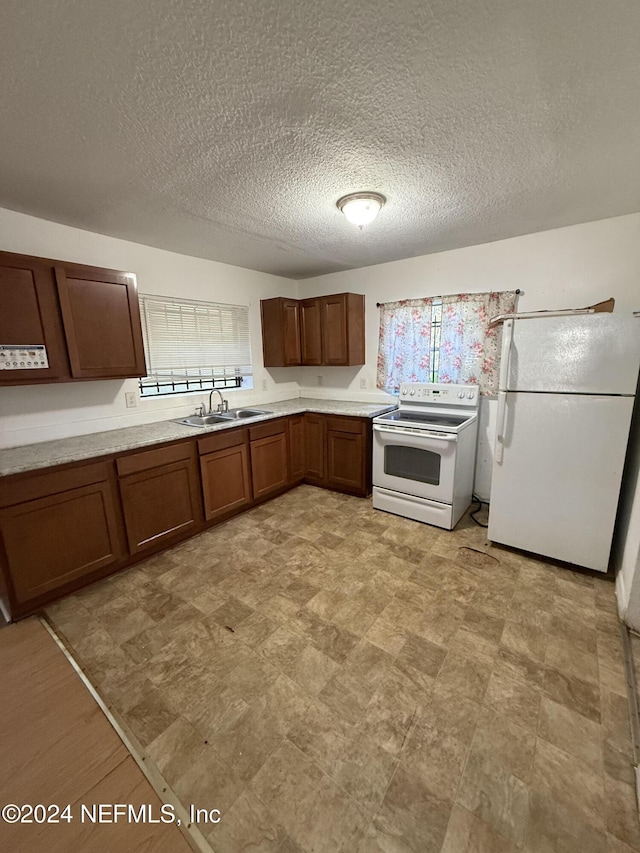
(330,331)
(86,318)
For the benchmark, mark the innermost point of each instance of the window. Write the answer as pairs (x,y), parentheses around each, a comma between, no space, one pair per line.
(442,339)
(194,346)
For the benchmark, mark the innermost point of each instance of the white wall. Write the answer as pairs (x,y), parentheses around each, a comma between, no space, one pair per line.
(40,412)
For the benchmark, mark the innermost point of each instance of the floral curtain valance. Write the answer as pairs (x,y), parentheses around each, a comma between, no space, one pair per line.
(469,350)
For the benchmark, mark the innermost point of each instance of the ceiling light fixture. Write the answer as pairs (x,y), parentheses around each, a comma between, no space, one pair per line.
(361,208)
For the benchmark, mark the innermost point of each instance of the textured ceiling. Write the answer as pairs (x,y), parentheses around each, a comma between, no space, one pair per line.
(228,130)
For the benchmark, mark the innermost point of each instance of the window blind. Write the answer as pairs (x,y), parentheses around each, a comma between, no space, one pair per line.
(187,341)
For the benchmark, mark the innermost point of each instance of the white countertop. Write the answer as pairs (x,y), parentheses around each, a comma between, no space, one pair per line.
(45,454)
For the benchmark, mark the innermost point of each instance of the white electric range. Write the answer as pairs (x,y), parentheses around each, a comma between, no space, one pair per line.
(424,453)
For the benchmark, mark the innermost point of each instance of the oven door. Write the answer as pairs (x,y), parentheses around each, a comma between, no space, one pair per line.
(414,462)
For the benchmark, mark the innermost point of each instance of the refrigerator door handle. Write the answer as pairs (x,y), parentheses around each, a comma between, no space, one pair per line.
(507,338)
(500,425)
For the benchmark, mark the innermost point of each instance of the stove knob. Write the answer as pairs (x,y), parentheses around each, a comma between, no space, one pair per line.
(412,392)
(404,392)
(470,395)
(461,394)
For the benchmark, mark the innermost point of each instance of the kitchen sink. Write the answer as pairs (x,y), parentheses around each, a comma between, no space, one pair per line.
(222,417)
(240,414)
(203,420)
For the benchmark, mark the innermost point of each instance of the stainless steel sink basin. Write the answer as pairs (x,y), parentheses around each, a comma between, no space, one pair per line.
(241,414)
(203,420)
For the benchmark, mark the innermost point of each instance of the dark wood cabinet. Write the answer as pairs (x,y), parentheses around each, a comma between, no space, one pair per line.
(224,469)
(30,315)
(343,329)
(58,529)
(269,464)
(66,527)
(348,455)
(314,448)
(87,318)
(330,330)
(280,332)
(311,331)
(101,321)
(160,495)
(296,449)
(338,453)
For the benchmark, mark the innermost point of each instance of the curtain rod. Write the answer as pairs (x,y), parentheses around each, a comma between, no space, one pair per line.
(378,304)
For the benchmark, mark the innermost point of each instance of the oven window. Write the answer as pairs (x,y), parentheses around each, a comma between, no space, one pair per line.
(411,463)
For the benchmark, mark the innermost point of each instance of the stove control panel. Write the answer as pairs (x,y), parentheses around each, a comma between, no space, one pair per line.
(453,395)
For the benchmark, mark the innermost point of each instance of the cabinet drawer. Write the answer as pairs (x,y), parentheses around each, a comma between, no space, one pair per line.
(221,440)
(34,486)
(269,428)
(354,425)
(127,465)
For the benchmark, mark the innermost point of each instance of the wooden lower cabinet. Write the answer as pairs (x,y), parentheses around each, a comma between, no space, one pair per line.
(63,528)
(58,528)
(160,495)
(224,469)
(346,455)
(296,449)
(269,463)
(315,428)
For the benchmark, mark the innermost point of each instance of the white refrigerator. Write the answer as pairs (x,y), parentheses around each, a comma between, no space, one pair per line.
(567,388)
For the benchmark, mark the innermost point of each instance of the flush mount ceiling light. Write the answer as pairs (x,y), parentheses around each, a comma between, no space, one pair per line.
(361,208)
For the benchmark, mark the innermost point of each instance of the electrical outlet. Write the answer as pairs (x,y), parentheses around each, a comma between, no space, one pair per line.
(320,380)
(131,399)
(264,384)
(363,383)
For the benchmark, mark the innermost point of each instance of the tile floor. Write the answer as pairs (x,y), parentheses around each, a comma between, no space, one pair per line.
(334,678)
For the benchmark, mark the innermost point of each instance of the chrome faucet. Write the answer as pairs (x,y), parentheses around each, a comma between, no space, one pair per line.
(223,405)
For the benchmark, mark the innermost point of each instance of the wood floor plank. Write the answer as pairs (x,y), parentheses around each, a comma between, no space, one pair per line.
(58,747)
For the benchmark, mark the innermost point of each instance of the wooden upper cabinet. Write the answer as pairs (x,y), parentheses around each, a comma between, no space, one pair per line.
(320,330)
(87,318)
(101,321)
(343,329)
(30,316)
(311,331)
(280,332)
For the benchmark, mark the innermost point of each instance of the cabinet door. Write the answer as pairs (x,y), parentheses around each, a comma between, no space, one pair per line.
(296,449)
(30,315)
(314,447)
(269,468)
(291,331)
(101,321)
(349,454)
(343,338)
(311,331)
(55,539)
(226,483)
(345,461)
(334,329)
(280,319)
(160,497)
